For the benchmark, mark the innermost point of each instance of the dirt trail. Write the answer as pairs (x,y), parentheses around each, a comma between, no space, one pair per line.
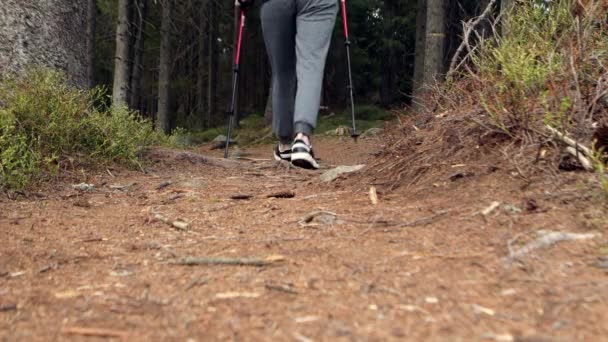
(423,264)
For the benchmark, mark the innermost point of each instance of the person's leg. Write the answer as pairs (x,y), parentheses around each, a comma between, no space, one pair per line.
(279,28)
(315,23)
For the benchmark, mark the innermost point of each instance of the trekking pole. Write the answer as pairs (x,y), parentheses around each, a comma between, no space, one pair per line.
(235,78)
(354,133)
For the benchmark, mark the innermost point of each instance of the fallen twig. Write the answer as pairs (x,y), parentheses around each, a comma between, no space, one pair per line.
(95,332)
(179,225)
(192,261)
(281,194)
(197,282)
(424,221)
(569,141)
(281,288)
(546,239)
(241,197)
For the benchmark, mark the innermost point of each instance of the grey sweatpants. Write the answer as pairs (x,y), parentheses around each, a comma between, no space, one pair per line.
(297,35)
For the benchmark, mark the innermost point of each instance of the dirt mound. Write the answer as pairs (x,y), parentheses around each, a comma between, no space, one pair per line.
(426,149)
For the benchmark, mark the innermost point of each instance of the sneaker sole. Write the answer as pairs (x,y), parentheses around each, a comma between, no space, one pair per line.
(278,158)
(304,160)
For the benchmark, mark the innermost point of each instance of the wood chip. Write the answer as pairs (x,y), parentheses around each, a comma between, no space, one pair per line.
(487,211)
(233,295)
(478,309)
(307,319)
(67,294)
(373,195)
(282,288)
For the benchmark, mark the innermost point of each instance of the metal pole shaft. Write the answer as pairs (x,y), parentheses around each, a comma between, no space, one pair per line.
(350,88)
(350,73)
(235,79)
(235,82)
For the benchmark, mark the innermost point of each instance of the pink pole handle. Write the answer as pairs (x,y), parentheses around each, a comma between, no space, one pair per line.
(237,55)
(344,18)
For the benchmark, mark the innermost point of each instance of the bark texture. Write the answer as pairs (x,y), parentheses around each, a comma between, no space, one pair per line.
(163,120)
(120,90)
(45,33)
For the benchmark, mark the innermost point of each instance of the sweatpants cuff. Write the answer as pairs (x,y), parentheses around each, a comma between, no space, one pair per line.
(286,140)
(303,127)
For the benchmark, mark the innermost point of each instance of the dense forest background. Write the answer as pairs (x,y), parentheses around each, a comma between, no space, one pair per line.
(199,43)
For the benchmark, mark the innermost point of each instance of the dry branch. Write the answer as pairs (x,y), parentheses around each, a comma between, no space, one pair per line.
(569,141)
(576,149)
(587,165)
(546,239)
(469,27)
(191,261)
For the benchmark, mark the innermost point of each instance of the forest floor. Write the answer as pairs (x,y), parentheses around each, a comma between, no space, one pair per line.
(455,259)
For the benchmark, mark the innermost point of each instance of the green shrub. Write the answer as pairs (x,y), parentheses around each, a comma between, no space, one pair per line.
(544,67)
(43,122)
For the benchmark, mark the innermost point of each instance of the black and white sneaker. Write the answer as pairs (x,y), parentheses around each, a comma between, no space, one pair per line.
(303,156)
(282,155)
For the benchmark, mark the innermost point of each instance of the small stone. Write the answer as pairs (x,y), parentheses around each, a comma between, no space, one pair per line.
(333,174)
(511,209)
(342,131)
(372,132)
(82,203)
(84,187)
(601,263)
(220,142)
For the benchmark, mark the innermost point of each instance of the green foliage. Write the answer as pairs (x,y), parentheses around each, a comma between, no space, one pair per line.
(44,122)
(520,64)
(545,69)
(598,160)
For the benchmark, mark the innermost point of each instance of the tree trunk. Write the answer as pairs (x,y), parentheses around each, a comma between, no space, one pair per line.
(430,46)
(201,82)
(138,65)
(434,42)
(92,24)
(45,33)
(213,24)
(420,47)
(120,89)
(163,120)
